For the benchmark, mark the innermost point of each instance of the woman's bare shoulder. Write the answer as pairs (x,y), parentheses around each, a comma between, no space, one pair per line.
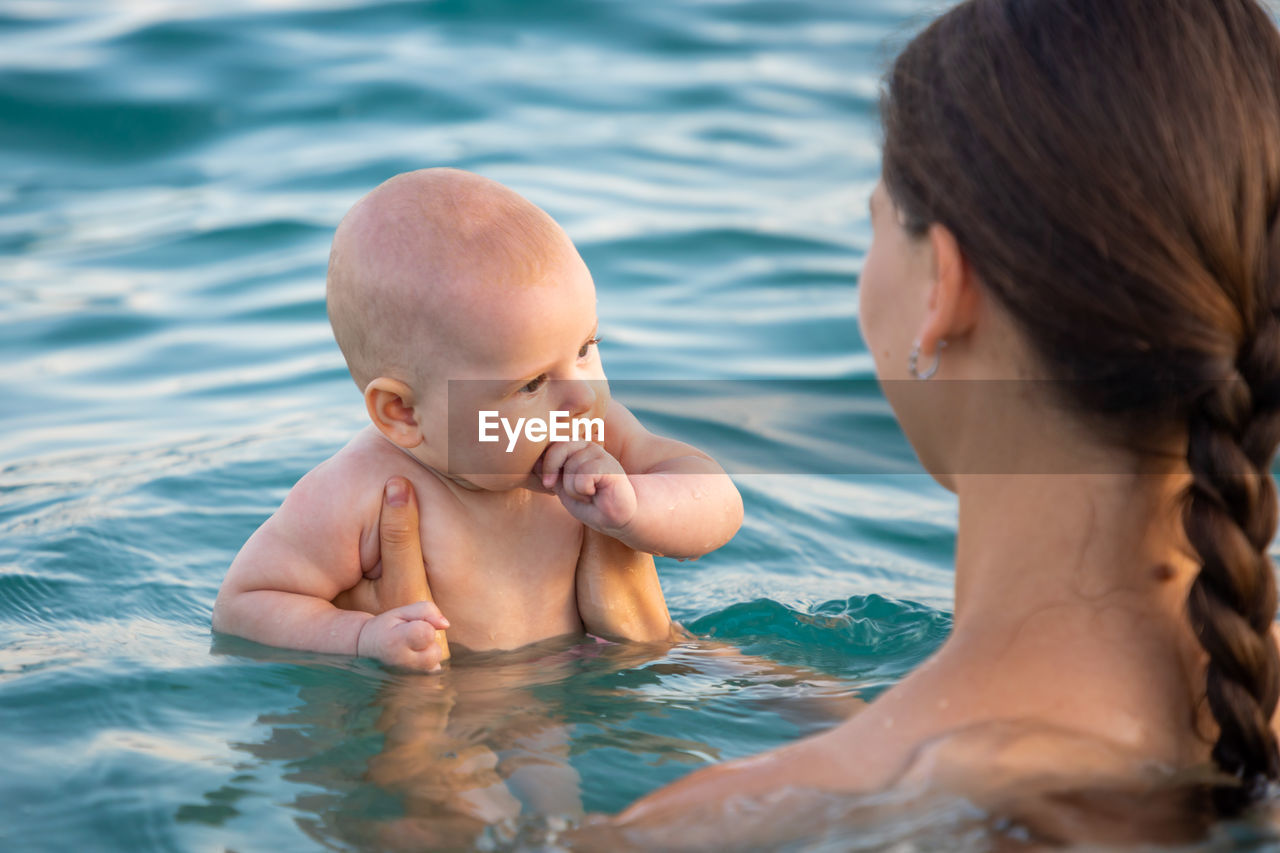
(848,777)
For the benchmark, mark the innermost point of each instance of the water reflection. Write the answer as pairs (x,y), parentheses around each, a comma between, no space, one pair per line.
(500,740)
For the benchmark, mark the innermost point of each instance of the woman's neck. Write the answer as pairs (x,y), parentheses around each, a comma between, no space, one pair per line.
(1027,541)
(1071,591)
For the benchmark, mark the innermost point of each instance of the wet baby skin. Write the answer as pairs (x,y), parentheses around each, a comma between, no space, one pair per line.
(450,295)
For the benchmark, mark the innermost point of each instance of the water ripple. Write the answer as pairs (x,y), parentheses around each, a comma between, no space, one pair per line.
(173,173)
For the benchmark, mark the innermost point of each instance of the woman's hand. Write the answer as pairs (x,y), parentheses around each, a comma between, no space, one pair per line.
(403,577)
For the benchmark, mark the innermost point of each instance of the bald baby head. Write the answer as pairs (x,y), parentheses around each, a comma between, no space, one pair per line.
(416,260)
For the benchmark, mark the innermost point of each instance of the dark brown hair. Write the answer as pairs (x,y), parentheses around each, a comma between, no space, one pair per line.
(1111,168)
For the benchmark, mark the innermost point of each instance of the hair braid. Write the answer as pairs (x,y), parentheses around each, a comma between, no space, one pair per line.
(1230,517)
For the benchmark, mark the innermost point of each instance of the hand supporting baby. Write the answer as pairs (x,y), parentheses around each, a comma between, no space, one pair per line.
(408,629)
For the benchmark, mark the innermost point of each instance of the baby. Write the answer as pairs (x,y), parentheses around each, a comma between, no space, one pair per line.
(460,307)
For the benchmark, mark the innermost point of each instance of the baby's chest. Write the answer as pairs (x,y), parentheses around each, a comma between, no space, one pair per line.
(504,580)
(519,550)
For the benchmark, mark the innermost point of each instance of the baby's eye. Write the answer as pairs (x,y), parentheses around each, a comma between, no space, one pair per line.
(533,384)
(586,348)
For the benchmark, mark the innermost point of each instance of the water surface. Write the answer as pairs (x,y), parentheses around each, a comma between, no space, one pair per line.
(172,174)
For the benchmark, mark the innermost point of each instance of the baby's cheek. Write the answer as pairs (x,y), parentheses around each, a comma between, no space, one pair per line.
(601,406)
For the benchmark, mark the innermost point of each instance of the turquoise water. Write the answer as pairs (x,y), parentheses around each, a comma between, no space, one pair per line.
(171,175)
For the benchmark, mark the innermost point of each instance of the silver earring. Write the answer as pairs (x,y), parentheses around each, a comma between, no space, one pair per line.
(913,361)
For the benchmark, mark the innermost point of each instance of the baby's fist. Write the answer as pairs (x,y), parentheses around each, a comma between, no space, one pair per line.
(404,636)
(590,483)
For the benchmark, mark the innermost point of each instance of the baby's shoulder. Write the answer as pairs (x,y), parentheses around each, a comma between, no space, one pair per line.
(353,479)
(345,490)
(369,460)
(345,474)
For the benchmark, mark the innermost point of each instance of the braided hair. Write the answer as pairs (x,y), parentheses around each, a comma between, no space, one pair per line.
(1111,168)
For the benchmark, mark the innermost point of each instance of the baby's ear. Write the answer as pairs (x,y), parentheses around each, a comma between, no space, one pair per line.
(390,403)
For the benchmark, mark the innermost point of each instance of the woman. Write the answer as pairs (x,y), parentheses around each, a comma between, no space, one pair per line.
(1078,222)
(1082,192)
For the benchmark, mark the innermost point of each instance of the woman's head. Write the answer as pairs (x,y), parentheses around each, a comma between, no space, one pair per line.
(1111,171)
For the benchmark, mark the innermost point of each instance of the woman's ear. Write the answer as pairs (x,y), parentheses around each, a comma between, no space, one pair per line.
(390,403)
(953,295)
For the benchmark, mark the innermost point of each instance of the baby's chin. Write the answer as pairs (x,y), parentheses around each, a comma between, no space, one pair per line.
(505,482)
(531,480)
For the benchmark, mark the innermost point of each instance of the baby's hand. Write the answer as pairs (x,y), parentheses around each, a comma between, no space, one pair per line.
(590,483)
(404,636)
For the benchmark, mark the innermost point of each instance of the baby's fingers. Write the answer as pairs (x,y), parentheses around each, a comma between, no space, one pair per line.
(415,645)
(579,487)
(418,636)
(422,611)
(428,659)
(582,475)
(554,457)
(426,613)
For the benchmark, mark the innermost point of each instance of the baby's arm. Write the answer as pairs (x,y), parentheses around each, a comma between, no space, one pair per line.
(651,493)
(280,587)
(619,595)
(639,494)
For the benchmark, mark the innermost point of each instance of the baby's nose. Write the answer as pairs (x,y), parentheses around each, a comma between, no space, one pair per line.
(582,395)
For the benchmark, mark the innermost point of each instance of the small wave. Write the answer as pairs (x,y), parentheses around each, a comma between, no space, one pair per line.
(863,636)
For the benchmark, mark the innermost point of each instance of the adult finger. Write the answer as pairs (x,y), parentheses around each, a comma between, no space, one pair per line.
(398,524)
(404,579)
(404,574)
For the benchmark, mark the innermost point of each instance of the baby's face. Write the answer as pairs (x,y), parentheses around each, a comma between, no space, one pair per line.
(524,352)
